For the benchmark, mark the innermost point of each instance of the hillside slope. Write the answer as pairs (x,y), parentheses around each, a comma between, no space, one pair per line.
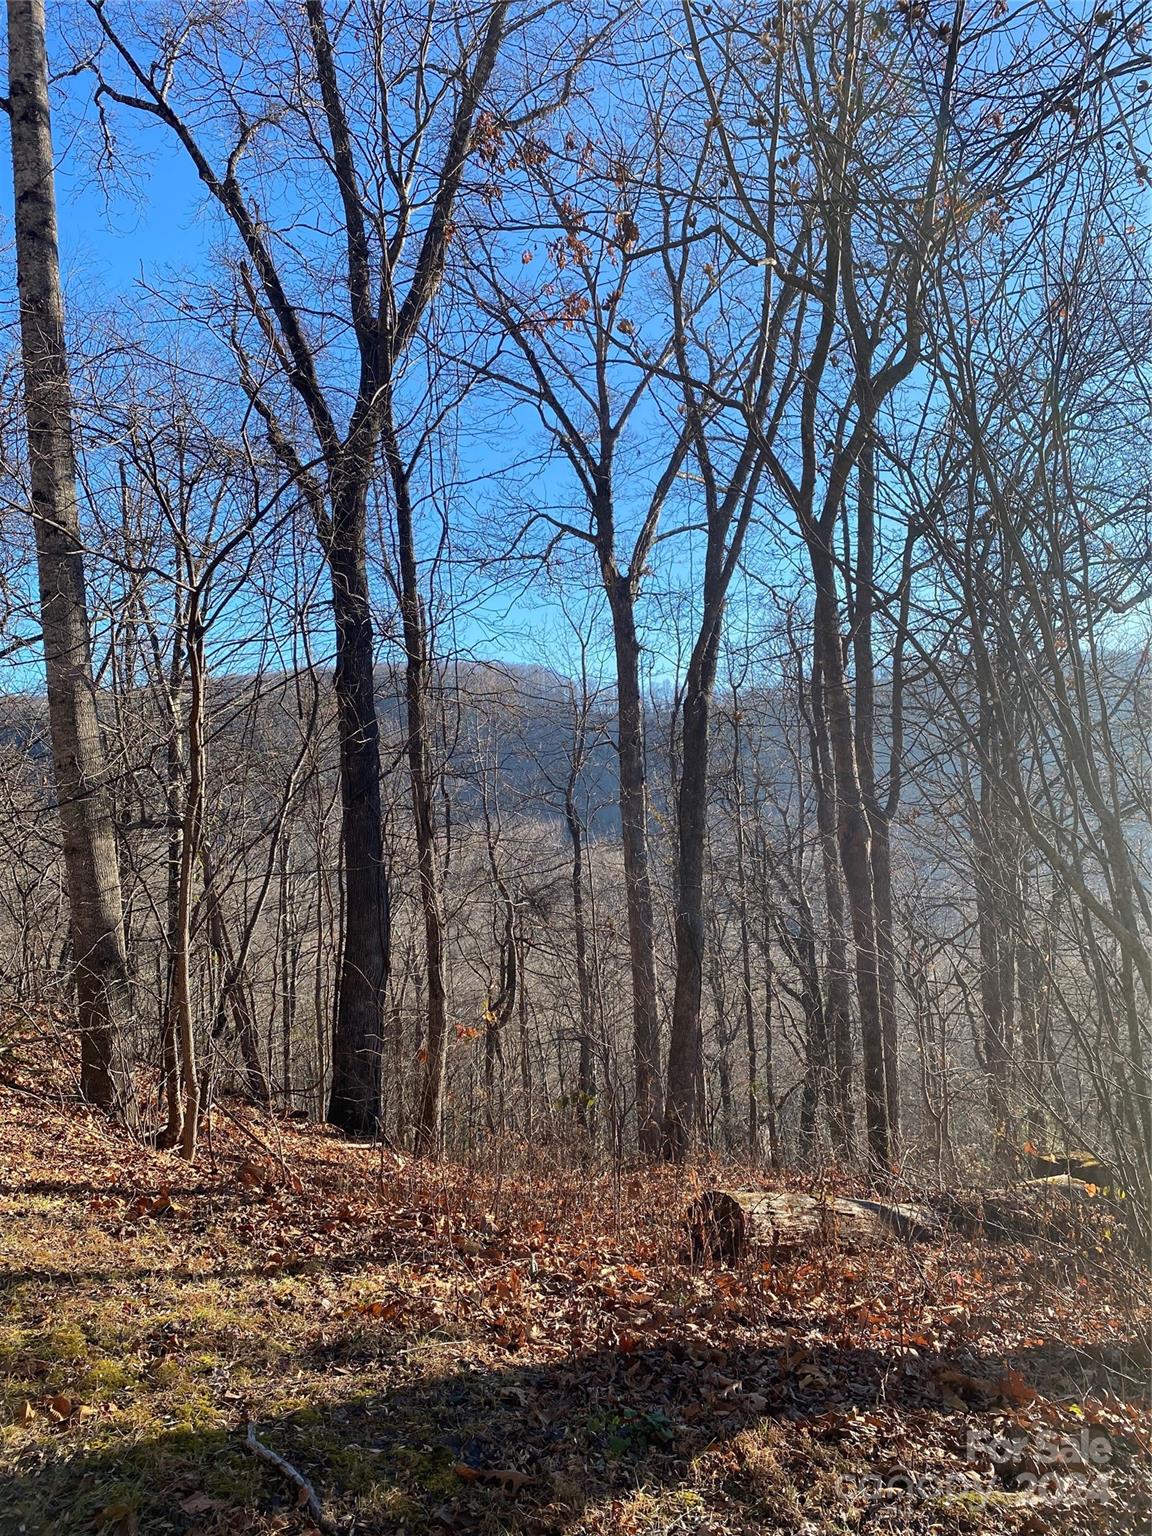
(481,1351)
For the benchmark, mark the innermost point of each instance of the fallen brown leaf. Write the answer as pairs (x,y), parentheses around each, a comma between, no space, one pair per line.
(504,1477)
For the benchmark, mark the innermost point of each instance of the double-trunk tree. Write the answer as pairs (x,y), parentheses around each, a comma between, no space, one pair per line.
(730,495)
(730,387)
(862,319)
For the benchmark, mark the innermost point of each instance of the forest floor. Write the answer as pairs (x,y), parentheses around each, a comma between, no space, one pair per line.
(448,1350)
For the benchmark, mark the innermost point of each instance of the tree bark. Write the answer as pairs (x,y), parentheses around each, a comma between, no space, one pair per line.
(354,1097)
(637,878)
(234,989)
(730,1224)
(854,841)
(988,883)
(189,846)
(684,1051)
(500,1004)
(747,998)
(771,1113)
(174,792)
(837,1022)
(417,697)
(81,772)
(585,1079)
(878,816)
(288,963)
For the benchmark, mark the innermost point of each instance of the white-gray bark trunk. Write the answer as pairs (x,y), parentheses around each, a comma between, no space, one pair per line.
(92,872)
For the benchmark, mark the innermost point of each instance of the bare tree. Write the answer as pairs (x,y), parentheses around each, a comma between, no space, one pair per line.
(90,855)
(568,344)
(391,182)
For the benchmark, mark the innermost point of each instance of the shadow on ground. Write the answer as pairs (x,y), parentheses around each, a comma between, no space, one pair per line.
(643,1441)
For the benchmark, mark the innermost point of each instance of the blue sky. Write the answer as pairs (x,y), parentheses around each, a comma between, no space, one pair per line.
(151,226)
(146,223)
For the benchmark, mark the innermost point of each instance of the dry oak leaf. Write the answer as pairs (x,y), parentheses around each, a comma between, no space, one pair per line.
(122,1516)
(1014,1388)
(252,1172)
(201,1504)
(384,1310)
(503,1477)
(948,1378)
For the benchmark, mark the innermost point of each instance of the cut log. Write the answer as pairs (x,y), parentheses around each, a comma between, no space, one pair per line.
(1059,1209)
(1063,1184)
(730,1224)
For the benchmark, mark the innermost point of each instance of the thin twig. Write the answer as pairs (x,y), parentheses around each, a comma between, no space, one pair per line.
(259,1141)
(310,1498)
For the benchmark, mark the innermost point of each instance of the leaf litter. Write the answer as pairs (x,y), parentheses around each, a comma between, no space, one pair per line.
(490,1349)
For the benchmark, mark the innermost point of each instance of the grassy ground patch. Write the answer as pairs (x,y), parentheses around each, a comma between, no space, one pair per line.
(463,1351)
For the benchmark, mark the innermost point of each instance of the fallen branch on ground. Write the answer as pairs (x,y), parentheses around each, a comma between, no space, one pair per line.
(290,1178)
(728,1225)
(308,1495)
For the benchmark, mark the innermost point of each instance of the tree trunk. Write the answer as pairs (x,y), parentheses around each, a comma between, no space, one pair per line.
(886,964)
(526,1087)
(731,1224)
(854,841)
(174,792)
(747,998)
(684,1049)
(988,883)
(354,1099)
(771,1114)
(181,989)
(637,879)
(749,1004)
(837,1005)
(417,693)
(91,868)
(327,932)
(865,722)
(288,964)
(500,1006)
(724,1037)
(234,989)
(585,1080)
